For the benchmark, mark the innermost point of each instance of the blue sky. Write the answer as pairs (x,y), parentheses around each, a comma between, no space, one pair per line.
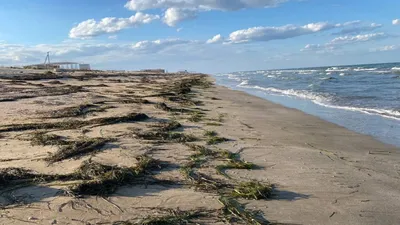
(200,35)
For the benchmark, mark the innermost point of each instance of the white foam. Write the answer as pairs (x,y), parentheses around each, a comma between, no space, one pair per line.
(396,68)
(234,77)
(391,114)
(244,83)
(337,69)
(364,69)
(323,101)
(289,92)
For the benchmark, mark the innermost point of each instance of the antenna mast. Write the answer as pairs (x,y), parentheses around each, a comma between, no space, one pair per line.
(47,59)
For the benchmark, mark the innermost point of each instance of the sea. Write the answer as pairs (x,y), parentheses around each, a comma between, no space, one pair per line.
(362,98)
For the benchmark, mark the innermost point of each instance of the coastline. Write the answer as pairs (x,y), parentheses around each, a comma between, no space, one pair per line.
(322,173)
(380,121)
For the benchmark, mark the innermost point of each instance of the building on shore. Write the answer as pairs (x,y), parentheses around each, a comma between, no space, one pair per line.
(154,70)
(60,66)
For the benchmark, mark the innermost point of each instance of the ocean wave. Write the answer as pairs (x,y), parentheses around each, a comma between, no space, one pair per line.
(325,101)
(289,92)
(364,69)
(233,77)
(244,83)
(337,69)
(379,71)
(387,113)
(396,68)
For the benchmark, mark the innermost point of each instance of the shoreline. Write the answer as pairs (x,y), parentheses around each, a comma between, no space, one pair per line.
(330,175)
(380,127)
(191,146)
(316,116)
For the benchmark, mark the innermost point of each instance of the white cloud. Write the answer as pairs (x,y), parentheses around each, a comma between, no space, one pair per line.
(357,27)
(113,37)
(216,39)
(222,5)
(344,40)
(358,38)
(396,22)
(277,33)
(174,16)
(27,54)
(386,48)
(91,28)
(180,10)
(159,45)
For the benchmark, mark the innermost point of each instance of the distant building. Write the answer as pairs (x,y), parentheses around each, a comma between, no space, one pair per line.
(154,70)
(183,71)
(60,66)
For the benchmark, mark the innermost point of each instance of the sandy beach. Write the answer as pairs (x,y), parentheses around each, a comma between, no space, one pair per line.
(142,148)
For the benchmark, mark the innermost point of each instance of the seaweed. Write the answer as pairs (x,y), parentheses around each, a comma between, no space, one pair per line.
(214,124)
(196,117)
(253,190)
(76,111)
(75,124)
(105,180)
(176,217)
(168,126)
(237,210)
(163,106)
(209,133)
(20,176)
(202,182)
(166,136)
(234,164)
(213,140)
(77,149)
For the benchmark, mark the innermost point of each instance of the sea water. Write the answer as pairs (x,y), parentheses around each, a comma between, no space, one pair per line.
(362,98)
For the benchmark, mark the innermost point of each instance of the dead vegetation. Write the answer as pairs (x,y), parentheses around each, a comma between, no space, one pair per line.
(203,182)
(75,124)
(77,148)
(166,136)
(213,140)
(11,177)
(175,217)
(234,164)
(234,210)
(104,180)
(163,106)
(14,94)
(36,77)
(196,117)
(76,111)
(254,190)
(96,179)
(163,132)
(131,100)
(43,139)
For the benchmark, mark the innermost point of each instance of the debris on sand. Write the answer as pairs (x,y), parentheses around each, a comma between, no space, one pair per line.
(105,180)
(75,124)
(77,148)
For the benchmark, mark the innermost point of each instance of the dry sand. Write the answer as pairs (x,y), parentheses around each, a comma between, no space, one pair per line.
(322,173)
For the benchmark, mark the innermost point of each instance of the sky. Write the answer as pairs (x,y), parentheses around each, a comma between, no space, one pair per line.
(211,36)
